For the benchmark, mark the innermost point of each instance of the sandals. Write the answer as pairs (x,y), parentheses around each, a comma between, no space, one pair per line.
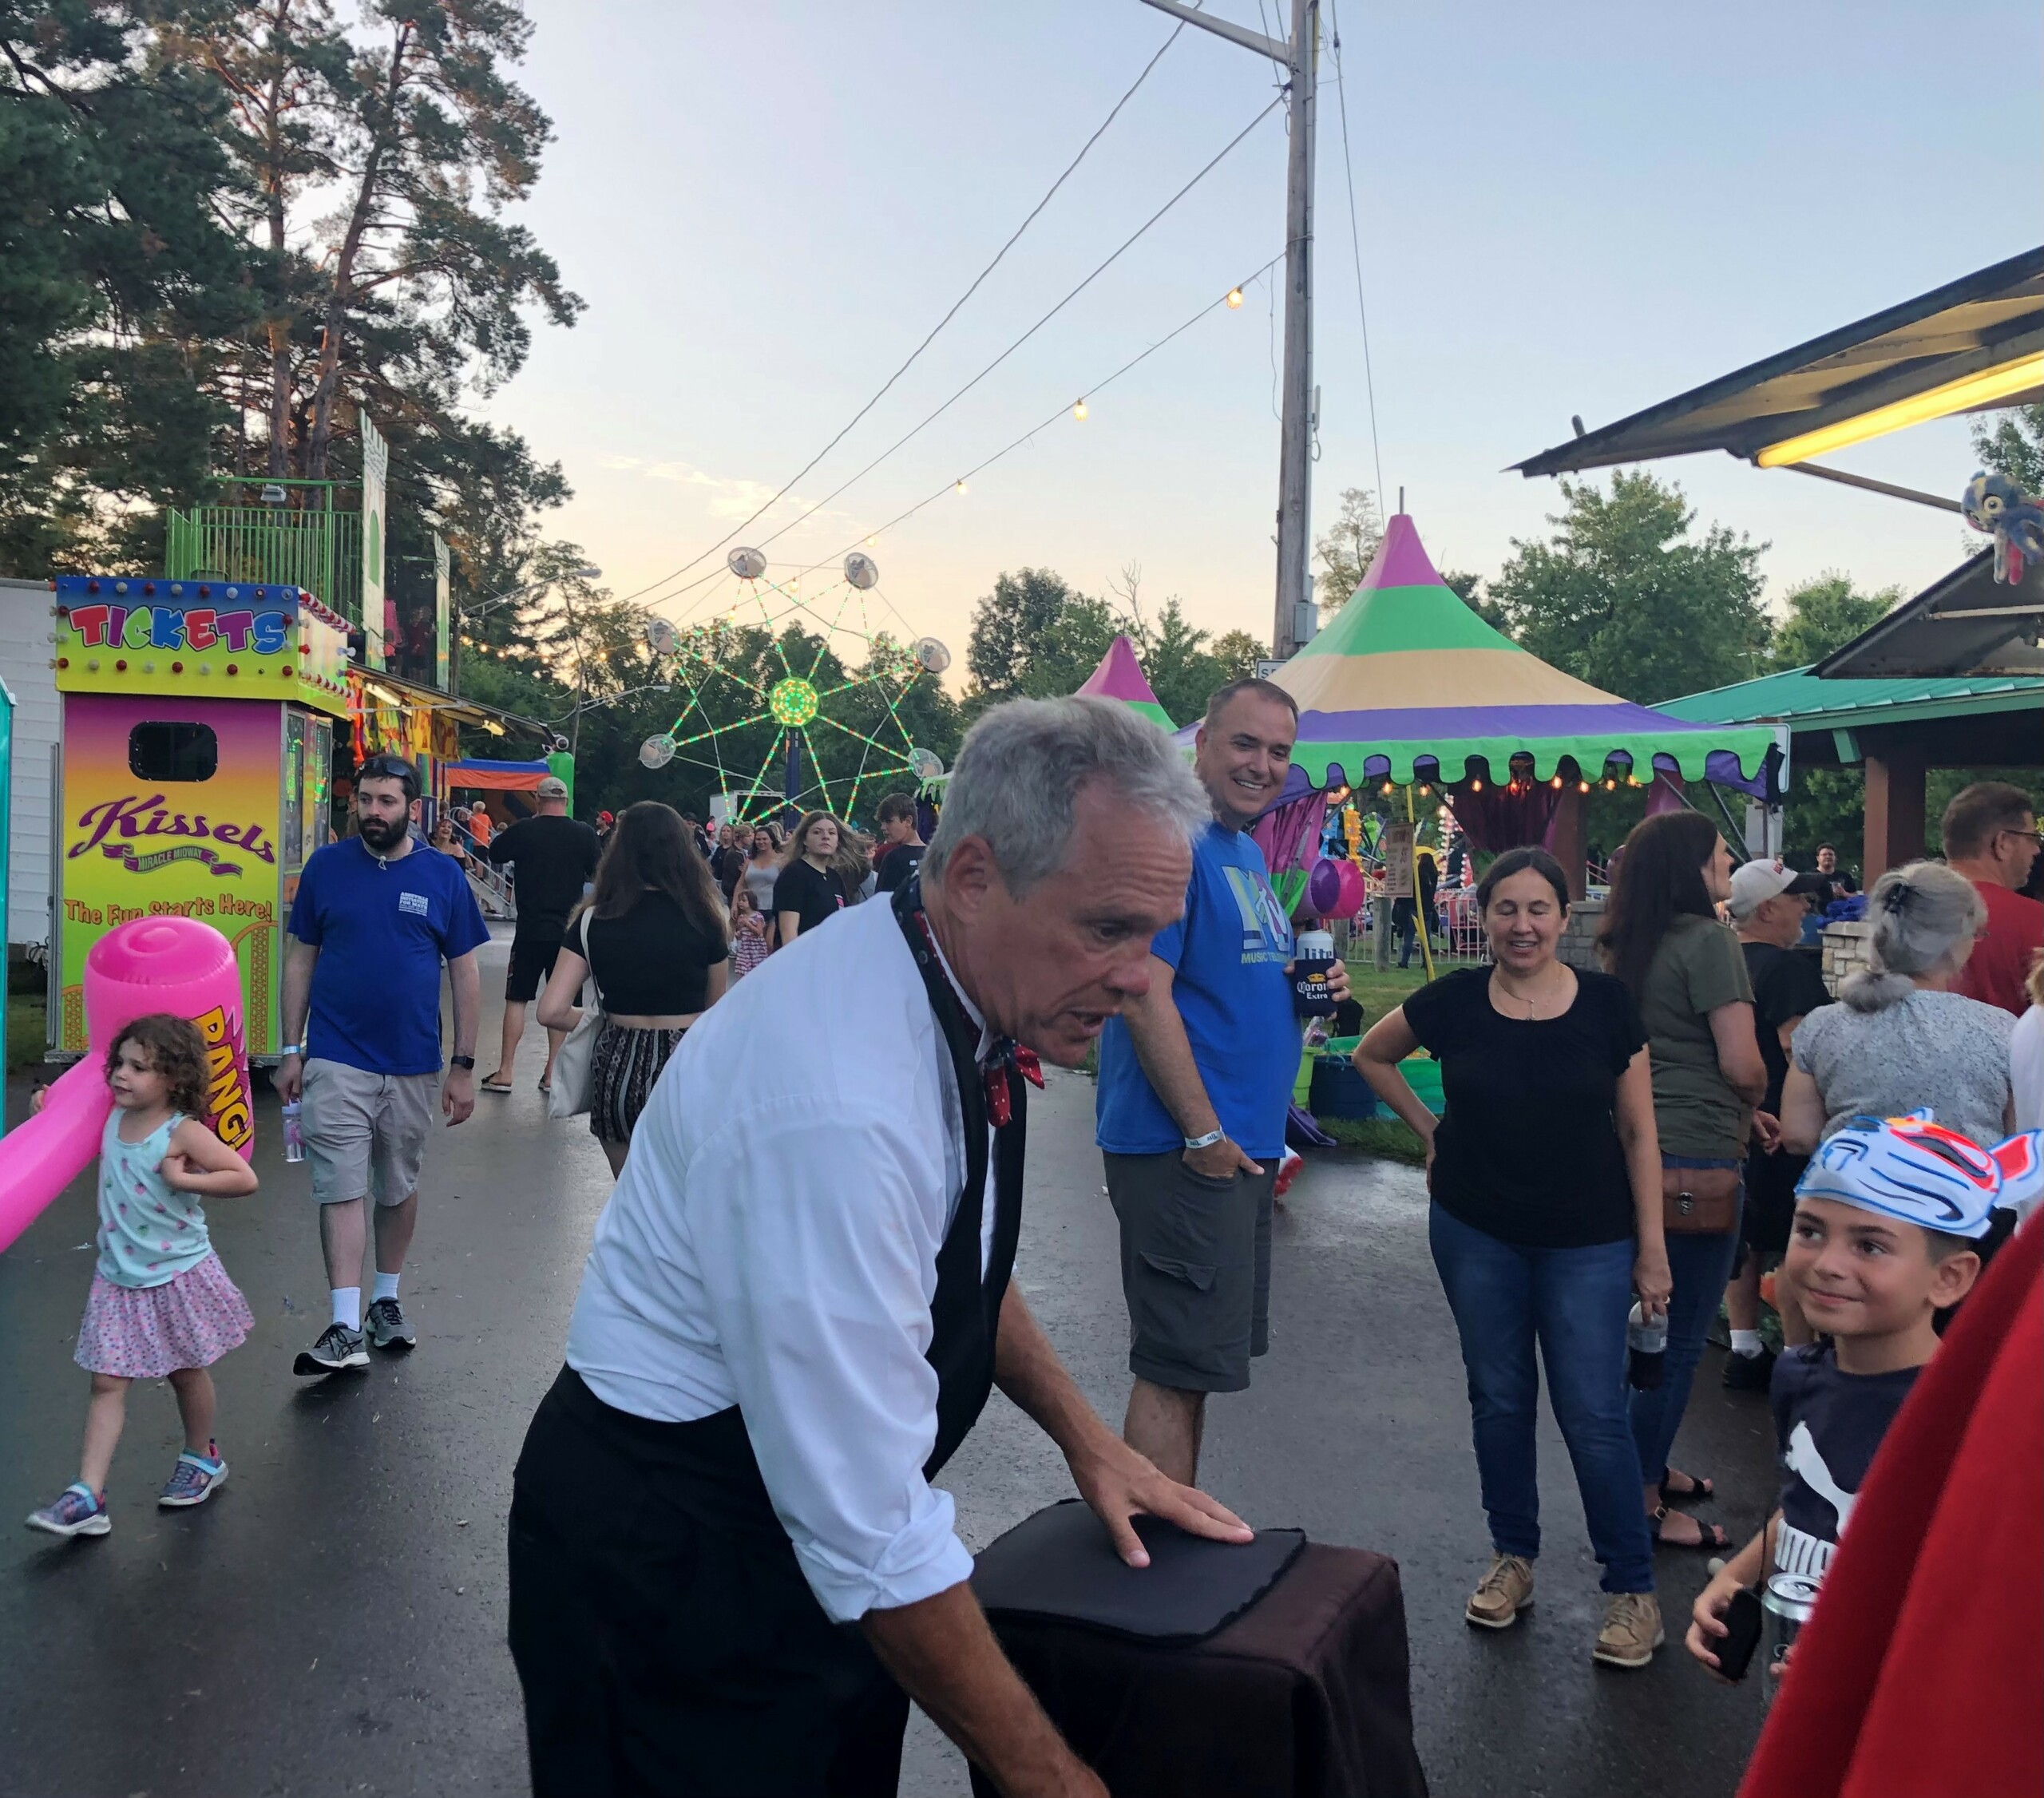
(495,1084)
(1700,1491)
(1711,1538)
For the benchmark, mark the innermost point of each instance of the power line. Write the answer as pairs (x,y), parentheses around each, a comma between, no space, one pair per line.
(1127,245)
(956,306)
(1356,244)
(1063,412)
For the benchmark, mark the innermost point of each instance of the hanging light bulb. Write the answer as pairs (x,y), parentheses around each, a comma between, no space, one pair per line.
(1556,783)
(1234,299)
(1583,787)
(1610,786)
(960,487)
(1475,786)
(1387,786)
(1079,411)
(873,543)
(1425,790)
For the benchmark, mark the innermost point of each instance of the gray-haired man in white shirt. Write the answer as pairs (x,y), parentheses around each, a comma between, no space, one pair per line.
(798,1299)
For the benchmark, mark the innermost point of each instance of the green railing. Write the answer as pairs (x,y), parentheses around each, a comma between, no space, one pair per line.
(318,549)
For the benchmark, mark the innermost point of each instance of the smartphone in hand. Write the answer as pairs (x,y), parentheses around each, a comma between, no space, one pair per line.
(1742,1618)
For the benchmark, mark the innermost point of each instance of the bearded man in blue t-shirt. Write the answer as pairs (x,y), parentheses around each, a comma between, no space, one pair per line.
(1195,1081)
(375,917)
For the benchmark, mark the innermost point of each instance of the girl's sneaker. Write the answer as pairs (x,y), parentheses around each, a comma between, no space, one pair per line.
(193,1480)
(75,1511)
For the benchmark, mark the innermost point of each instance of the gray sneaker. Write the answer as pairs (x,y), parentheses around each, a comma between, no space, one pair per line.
(338,1347)
(386,1326)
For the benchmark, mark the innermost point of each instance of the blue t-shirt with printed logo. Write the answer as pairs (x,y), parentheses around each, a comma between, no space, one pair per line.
(382,930)
(1228,955)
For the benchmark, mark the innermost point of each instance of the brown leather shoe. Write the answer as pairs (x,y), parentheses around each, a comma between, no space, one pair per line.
(1632,1630)
(1502,1594)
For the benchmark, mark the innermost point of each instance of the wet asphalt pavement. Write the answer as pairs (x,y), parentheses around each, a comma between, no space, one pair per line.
(333,1621)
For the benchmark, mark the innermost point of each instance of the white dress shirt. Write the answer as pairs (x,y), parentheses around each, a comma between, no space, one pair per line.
(772,1244)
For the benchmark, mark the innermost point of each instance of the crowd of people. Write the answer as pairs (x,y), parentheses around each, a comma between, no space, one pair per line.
(809,1070)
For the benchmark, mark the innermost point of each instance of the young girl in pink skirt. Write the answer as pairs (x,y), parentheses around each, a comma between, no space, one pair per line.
(748,931)
(161,1304)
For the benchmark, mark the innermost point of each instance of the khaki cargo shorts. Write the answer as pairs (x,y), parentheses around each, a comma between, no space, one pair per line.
(364,1133)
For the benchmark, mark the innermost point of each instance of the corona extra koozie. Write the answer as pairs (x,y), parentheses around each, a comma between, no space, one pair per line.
(174,965)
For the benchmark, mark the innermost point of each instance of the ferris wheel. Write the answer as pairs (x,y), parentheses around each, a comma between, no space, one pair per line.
(794,698)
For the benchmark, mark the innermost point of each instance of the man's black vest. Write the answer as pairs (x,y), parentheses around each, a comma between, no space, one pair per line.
(965,1313)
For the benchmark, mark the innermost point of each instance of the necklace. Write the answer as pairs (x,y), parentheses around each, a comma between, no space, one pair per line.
(1532,1001)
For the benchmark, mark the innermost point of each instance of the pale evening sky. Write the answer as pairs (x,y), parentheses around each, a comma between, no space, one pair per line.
(1577,208)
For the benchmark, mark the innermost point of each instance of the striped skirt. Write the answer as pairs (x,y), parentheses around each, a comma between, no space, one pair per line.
(623,1066)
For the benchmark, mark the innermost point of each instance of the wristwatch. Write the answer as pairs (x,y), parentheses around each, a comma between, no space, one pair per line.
(1205,1142)
(467,1061)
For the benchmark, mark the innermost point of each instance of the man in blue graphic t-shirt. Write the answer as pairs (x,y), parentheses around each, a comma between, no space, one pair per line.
(1195,1081)
(374,916)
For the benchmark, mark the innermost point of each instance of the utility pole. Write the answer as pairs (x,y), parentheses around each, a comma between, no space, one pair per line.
(1294,620)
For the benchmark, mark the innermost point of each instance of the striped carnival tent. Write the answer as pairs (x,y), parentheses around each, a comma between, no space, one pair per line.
(1408,683)
(1120,676)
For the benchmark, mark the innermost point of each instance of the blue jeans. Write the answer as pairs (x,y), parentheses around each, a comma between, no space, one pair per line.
(1574,1302)
(1701,1265)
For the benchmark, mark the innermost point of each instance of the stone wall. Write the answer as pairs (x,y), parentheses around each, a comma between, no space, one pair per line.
(1845,952)
(1578,945)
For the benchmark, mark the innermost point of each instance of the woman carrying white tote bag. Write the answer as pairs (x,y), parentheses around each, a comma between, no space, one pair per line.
(648,956)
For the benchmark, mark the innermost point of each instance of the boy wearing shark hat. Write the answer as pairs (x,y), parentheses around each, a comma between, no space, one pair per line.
(1890,1217)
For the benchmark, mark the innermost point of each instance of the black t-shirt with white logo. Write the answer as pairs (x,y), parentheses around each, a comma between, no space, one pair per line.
(1827,1425)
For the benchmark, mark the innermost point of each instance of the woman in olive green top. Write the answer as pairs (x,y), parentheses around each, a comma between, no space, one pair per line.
(1685,972)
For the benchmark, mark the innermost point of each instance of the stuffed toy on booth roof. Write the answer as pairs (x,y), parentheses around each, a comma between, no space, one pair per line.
(1994,503)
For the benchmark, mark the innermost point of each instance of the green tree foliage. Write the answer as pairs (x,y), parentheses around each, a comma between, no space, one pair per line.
(1035,636)
(2012,443)
(1824,615)
(1623,596)
(229,226)
(119,281)
(1345,550)
(1469,588)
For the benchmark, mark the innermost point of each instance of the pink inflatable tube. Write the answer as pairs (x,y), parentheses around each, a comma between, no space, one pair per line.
(152,964)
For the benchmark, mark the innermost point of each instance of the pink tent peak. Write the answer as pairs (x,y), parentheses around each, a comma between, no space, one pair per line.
(1120,676)
(1401,560)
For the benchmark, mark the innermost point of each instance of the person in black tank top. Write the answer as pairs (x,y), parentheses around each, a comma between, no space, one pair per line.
(653,935)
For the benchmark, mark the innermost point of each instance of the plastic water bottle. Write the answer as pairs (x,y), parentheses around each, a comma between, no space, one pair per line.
(1647,1339)
(293,1131)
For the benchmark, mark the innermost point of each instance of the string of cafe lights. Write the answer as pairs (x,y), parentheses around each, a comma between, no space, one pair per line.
(931,418)
(1075,410)
(936,330)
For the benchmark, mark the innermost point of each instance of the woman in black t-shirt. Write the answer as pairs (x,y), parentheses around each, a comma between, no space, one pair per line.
(1545,1220)
(652,931)
(809,891)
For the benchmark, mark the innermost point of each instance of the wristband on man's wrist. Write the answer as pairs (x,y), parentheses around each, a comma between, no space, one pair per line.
(1205,1142)
(292,1049)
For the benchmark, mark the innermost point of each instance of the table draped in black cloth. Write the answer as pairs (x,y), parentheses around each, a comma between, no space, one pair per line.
(1307,1694)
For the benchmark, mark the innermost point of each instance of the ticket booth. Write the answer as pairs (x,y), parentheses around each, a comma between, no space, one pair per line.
(195,754)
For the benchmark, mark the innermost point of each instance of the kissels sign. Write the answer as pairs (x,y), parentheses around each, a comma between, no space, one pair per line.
(132,816)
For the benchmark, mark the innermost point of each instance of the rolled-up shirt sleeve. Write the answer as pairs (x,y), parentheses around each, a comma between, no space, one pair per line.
(817,1236)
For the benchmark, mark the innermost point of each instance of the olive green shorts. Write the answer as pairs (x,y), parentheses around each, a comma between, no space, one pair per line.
(1195,1269)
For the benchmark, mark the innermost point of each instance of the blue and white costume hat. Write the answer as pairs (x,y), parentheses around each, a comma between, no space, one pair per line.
(1914,1170)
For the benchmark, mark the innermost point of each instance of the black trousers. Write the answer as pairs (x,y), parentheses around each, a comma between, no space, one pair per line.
(667,1642)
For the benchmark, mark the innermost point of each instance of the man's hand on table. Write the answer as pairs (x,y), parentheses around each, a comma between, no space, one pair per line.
(1117,1483)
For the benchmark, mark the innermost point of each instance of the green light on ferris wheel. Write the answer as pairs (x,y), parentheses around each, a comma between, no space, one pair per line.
(793,702)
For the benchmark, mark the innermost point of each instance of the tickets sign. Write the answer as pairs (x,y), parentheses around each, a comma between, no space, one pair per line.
(226,638)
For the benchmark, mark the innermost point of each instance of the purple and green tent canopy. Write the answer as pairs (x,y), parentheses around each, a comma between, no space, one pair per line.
(1120,676)
(1407,682)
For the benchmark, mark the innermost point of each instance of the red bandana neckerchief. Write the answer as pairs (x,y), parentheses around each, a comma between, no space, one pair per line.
(1005,1052)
